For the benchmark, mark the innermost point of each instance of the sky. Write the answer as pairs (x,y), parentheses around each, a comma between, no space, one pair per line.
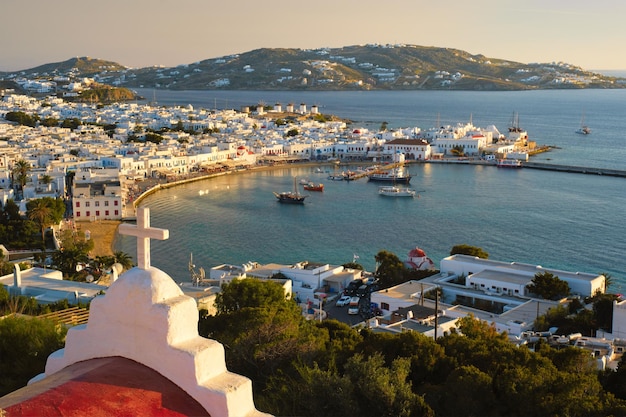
(142,33)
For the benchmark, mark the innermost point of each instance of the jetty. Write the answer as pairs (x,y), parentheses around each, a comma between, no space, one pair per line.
(576,169)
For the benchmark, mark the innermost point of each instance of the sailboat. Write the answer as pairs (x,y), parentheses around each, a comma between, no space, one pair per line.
(291,197)
(583,129)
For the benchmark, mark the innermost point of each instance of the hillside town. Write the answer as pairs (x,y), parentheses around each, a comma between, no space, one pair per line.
(113,168)
(109,165)
(113,155)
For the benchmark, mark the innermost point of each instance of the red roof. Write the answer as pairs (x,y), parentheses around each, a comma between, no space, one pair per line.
(104,387)
(417,253)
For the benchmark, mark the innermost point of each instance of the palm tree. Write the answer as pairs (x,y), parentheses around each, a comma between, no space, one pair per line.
(608,280)
(123,259)
(42,214)
(21,169)
(46,180)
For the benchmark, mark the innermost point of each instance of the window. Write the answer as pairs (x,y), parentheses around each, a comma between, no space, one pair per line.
(78,204)
(106,203)
(384,306)
(88,213)
(78,214)
(116,212)
(97,213)
(86,203)
(106,213)
(115,203)
(97,204)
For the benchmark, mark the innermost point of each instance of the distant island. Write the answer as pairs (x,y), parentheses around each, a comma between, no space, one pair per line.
(358,67)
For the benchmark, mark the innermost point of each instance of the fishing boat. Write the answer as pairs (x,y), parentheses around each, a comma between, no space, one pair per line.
(313,187)
(291,197)
(396,176)
(394,191)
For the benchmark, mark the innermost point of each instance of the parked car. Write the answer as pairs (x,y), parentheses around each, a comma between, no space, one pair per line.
(353,310)
(354,302)
(344,300)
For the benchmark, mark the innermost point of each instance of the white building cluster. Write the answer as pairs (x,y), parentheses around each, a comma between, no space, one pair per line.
(106,164)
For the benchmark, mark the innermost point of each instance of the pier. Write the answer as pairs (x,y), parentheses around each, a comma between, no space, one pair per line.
(575,169)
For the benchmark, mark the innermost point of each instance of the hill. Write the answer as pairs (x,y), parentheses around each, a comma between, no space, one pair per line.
(358,67)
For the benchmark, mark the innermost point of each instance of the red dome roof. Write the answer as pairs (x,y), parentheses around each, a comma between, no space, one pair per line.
(105,387)
(417,253)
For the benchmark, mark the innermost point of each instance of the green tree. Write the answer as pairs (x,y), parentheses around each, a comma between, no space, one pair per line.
(25,345)
(50,122)
(123,259)
(384,390)
(46,180)
(153,137)
(353,265)
(71,123)
(21,171)
(22,118)
(40,213)
(608,280)
(73,251)
(548,286)
(390,269)
(469,250)
(249,293)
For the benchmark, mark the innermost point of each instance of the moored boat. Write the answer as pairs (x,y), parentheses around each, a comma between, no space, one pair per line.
(313,187)
(583,130)
(291,197)
(395,176)
(336,177)
(394,191)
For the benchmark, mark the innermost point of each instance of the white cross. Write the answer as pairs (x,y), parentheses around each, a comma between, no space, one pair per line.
(144,233)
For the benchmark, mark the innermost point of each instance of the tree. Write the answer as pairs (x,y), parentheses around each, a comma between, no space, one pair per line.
(45,212)
(390,269)
(248,293)
(25,345)
(50,122)
(548,286)
(21,169)
(40,213)
(469,250)
(46,180)
(353,265)
(123,259)
(608,280)
(73,251)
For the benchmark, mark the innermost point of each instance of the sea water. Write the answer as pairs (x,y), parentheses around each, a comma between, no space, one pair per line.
(558,220)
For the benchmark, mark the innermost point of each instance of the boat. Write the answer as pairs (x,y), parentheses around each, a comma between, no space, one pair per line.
(313,187)
(396,176)
(336,177)
(583,129)
(291,197)
(395,191)
(509,163)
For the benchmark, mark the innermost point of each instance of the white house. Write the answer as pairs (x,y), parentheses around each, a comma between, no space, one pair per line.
(97,201)
(511,278)
(412,149)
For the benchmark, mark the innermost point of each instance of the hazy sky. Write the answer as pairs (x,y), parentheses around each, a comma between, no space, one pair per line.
(140,33)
